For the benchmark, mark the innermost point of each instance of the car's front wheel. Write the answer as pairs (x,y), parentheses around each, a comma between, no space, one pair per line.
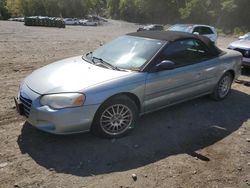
(115,118)
(223,87)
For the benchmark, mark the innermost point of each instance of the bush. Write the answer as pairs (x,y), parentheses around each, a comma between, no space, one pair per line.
(239,31)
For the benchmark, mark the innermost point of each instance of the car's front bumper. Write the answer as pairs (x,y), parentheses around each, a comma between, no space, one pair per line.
(63,121)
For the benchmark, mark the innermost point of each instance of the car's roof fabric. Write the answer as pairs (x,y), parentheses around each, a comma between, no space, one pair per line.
(172,36)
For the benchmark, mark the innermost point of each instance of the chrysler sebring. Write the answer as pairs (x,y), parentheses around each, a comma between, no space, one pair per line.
(105,91)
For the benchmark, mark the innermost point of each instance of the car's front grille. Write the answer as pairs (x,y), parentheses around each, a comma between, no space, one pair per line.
(26,105)
(245,53)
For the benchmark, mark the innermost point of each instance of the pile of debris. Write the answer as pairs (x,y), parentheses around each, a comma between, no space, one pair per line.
(44,21)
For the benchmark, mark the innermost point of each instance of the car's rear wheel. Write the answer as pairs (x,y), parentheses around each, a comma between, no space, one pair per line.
(223,87)
(115,118)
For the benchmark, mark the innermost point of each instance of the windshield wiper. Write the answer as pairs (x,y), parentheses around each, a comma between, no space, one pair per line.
(105,63)
(85,57)
(89,53)
(92,58)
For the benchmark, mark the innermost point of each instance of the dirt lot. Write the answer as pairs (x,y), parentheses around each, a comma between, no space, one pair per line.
(200,143)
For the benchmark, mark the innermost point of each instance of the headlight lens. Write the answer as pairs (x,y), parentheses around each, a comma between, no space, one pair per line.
(63,100)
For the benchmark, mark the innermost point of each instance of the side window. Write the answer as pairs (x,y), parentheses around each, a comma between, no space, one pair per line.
(185,52)
(158,27)
(198,30)
(206,31)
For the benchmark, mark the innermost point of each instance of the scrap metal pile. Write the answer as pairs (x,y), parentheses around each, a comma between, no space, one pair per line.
(44,21)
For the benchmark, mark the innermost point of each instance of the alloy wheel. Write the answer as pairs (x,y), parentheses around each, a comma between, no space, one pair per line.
(116,119)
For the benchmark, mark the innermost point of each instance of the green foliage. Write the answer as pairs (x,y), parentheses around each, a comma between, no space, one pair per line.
(4,14)
(225,14)
(196,11)
(64,8)
(113,7)
(240,31)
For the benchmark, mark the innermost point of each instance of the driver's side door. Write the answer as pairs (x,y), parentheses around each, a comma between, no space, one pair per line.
(187,80)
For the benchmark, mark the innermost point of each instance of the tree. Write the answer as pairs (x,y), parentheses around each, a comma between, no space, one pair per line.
(14,7)
(113,7)
(98,6)
(226,14)
(4,14)
(196,11)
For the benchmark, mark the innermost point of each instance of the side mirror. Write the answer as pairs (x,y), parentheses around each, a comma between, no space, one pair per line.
(196,33)
(164,65)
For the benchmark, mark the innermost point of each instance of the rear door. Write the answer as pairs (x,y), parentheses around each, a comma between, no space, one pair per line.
(187,80)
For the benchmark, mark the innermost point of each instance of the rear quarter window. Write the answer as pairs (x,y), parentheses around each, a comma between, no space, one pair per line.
(206,31)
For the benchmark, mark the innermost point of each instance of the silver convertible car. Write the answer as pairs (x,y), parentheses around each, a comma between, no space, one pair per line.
(105,91)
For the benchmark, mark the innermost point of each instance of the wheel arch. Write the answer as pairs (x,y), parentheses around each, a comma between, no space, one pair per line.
(215,94)
(232,72)
(132,96)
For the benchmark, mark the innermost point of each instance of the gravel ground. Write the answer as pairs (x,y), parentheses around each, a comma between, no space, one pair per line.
(200,143)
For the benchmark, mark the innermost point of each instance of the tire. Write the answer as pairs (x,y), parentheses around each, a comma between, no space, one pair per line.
(223,87)
(115,118)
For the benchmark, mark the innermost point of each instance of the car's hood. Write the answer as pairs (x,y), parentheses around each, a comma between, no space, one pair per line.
(70,75)
(240,44)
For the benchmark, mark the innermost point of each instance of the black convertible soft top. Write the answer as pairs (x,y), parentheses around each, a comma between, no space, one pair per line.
(172,36)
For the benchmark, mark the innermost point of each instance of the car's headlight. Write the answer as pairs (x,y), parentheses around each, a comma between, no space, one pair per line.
(63,100)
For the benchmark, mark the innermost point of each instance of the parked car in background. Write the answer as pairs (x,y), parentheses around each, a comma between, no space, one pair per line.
(102,19)
(243,46)
(105,91)
(96,18)
(204,30)
(152,27)
(85,22)
(247,35)
(71,21)
(17,19)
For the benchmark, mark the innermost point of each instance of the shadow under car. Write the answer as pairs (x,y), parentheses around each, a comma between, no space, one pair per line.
(183,128)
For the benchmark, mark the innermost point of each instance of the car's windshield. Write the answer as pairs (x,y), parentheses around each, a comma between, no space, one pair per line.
(128,52)
(182,28)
